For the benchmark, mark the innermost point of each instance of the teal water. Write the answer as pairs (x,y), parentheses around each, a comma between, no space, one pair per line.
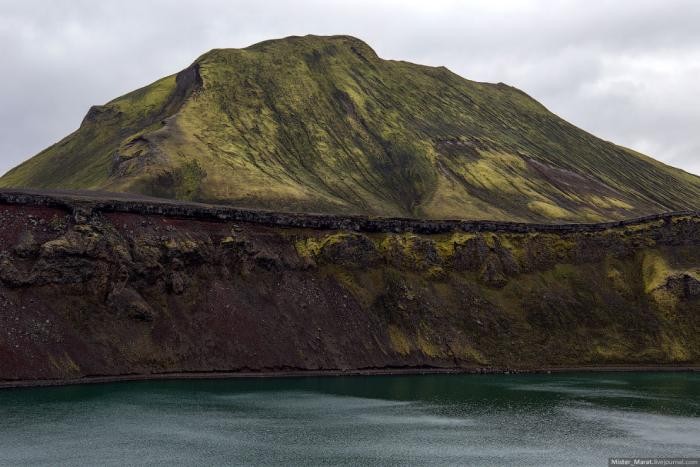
(566,419)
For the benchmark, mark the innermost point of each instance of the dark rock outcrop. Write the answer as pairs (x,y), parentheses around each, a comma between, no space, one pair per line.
(110,287)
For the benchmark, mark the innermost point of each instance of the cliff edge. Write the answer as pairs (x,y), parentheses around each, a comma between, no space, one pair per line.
(147,291)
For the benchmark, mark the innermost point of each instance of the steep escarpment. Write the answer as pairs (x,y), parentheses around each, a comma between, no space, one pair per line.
(322,124)
(107,292)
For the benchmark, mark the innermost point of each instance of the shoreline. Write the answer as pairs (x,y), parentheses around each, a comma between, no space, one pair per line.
(220,375)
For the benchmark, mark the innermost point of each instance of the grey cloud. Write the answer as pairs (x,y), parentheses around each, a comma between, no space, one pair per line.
(624,70)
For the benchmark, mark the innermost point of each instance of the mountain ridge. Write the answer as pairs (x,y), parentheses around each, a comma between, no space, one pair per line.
(322,124)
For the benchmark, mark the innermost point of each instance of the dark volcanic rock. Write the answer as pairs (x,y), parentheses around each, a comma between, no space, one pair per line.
(145,288)
(350,249)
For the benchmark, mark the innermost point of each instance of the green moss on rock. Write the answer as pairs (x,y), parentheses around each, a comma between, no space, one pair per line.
(322,124)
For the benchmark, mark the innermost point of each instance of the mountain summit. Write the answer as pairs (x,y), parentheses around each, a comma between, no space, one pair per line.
(322,124)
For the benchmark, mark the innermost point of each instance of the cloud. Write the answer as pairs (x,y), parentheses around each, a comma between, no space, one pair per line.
(623,70)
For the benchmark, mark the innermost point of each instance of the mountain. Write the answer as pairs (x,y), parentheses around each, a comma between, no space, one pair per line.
(322,124)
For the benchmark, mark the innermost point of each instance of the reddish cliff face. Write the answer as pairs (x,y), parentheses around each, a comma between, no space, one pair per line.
(99,292)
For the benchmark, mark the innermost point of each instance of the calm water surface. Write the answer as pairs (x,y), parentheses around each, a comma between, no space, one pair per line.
(571,419)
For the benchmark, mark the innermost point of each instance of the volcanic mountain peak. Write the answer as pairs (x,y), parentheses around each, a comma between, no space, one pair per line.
(322,124)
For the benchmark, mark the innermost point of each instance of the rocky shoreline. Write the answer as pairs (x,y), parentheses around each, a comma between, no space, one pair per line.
(339,373)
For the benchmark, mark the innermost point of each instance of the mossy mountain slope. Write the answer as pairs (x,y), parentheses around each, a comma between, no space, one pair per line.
(322,124)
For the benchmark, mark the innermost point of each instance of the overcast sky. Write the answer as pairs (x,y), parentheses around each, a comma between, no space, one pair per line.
(627,71)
